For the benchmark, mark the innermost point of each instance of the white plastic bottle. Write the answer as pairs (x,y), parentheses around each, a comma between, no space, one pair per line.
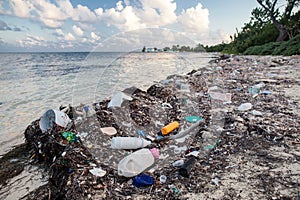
(128,143)
(137,162)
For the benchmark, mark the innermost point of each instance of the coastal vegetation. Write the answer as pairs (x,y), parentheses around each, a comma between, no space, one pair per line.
(273,30)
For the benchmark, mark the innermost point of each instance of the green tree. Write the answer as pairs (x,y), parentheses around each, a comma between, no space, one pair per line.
(270,7)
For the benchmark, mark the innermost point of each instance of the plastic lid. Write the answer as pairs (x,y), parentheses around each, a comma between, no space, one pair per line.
(143,180)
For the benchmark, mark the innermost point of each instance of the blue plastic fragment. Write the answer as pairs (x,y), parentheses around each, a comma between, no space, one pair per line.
(143,180)
(159,137)
(141,133)
(266,92)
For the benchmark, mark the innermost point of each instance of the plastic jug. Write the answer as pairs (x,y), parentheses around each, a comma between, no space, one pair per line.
(137,162)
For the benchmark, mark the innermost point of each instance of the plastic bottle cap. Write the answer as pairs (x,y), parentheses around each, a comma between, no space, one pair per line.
(155,152)
(143,180)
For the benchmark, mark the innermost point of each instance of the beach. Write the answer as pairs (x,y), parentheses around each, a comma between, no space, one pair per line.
(246,146)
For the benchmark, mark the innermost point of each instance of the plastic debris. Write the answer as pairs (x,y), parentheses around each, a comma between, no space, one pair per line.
(186,131)
(257,113)
(193,118)
(135,163)
(178,163)
(175,190)
(245,107)
(155,153)
(53,116)
(108,130)
(71,137)
(208,147)
(162,179)
(118,99)
(220,96)
(255,89)
(215,181)
(128,143)
(98,172)
(143,180)
(169,128)
(141,133)
(88,111)
(185,169)
(266,92)
(177,149)
(193,153)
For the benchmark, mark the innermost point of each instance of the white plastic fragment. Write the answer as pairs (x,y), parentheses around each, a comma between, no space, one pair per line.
(53,116)
(98,172)
(215,181)
(178,163)
(162,179)
(245,107)
(257,113)
(226,97)
(128,143)
(186,131)
(193,153)
(117,99)
(108,130)
(135,163)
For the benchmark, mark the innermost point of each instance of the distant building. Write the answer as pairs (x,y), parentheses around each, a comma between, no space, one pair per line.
(152,50)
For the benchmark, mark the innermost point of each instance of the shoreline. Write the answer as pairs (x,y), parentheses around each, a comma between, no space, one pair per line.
(254,153)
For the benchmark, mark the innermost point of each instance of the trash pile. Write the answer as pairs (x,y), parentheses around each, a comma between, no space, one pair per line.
(225,131)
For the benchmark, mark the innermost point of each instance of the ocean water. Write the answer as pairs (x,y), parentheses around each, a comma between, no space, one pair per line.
(32,83)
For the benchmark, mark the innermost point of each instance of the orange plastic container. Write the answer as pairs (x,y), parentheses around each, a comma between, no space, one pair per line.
(169,128)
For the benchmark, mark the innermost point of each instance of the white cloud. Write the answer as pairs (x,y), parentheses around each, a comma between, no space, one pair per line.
(52,15)
(69,36)
(215,37)
(50,11)
(59,32)
(21,8)
(32,40)
(152,13)
(77,30)
(95,36)
(157,12)
(195,19)
(119,6)
(83,14)
(50,23)
(84,40)
(99,12)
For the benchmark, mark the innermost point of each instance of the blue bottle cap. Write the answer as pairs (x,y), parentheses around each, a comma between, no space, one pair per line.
(143,180)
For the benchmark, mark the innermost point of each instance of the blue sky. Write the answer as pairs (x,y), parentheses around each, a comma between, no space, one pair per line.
(110,25)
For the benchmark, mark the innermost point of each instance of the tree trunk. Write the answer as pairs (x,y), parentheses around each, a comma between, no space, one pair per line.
(283,34)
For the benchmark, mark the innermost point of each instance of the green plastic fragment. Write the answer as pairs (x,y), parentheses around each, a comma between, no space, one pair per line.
(175,190)
(68,135)
(193,118)
(212,146)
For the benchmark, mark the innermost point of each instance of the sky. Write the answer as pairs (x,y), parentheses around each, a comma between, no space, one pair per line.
(118,25)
